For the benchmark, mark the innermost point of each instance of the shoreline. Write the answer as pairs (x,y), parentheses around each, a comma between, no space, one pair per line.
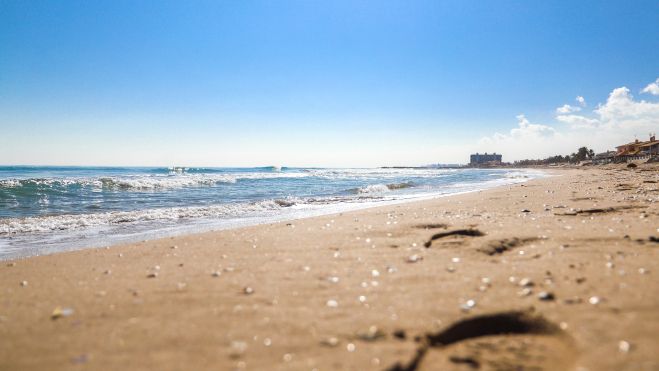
(203,225)
(353,290)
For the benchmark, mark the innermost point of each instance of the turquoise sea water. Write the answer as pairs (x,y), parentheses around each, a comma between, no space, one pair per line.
(50,209)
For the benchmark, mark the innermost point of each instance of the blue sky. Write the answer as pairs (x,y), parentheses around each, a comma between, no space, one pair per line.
(311,83)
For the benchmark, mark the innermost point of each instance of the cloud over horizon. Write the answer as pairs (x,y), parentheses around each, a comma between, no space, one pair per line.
(652,88)
(618,120)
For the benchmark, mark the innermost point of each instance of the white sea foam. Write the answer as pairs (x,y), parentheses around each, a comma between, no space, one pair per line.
(382,188)
(517,175)
(157,182)
(10,183)
(186,179)
(379,173)
(147,182)
(77,221)
(15,183)
(373,188)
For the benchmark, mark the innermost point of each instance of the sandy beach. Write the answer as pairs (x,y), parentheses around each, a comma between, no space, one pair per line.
(557,273)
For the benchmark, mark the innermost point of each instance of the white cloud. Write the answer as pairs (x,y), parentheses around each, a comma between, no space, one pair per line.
(622,111)
(576,121)
(566,108)
(527,138)
(526,129)
(612,123)
(652,88)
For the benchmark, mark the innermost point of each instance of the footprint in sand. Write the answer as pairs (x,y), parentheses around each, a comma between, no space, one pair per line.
(432,226)
(516,340)
(600,210)
(454,233)
(506,244)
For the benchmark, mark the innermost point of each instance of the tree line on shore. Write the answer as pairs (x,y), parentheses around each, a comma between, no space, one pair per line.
(582,154)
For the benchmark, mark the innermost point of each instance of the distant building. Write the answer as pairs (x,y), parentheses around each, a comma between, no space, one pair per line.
(604,157)
(637,150)
(485,159)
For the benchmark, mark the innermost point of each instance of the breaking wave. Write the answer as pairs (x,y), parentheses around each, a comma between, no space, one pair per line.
(77,221)
(147,182)
(381,188)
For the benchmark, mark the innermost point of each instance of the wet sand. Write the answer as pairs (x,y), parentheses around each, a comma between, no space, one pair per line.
(557,273)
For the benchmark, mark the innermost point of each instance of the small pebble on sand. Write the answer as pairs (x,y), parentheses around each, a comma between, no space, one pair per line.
(414,258)
(373,333)
(332,303)
(526,282)
(23,283)
(248,290)
(594,300)
(60,312)
(624,346)
(331,342)
(468,305)
(546,296)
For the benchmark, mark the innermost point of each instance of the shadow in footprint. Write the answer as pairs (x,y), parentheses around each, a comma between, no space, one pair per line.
(432,226)
(457,232)
(504,323)
(600,210)
(506,244)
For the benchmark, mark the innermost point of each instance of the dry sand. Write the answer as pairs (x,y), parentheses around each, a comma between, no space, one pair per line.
(557,273)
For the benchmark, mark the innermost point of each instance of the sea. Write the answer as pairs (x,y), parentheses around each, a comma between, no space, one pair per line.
(48,209)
